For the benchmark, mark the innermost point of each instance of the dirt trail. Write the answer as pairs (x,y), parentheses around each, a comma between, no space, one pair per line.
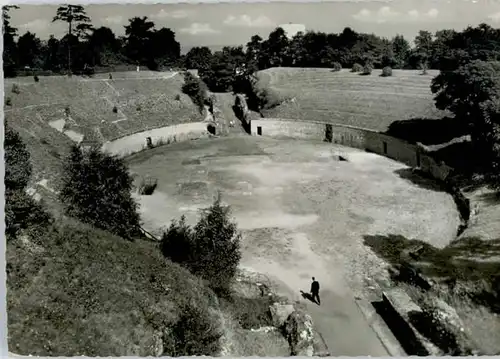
(224,104)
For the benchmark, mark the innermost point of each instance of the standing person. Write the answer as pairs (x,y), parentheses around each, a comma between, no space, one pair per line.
(315,291)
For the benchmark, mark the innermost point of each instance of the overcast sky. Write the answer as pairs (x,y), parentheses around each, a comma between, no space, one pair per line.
(234,23)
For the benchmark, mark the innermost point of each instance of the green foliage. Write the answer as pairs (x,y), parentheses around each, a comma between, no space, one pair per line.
(195,89)
(337,66)
(96,190)
(386,71)
(356,68)
(210,250)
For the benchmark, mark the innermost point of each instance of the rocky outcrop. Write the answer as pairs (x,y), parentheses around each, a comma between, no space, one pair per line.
(280,313)
(300,334)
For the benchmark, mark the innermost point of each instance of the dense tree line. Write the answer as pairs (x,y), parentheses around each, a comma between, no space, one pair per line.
(84,47)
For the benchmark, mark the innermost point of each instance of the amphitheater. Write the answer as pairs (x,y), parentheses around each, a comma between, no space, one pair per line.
(305,194)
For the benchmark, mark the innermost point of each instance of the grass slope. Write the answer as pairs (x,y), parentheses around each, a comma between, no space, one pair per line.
(144,101)
(347,98)
(82,291)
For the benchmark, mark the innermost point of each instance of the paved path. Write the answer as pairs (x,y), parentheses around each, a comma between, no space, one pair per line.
(344,328)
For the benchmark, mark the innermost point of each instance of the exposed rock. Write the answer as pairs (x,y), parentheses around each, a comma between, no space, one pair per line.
(280,313)
(300,334)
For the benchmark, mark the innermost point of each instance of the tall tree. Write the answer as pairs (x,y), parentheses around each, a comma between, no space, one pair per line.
(29,49)
(164,49)
(78,23)
(198,58)
(401,49)
(9,43)
(138,33)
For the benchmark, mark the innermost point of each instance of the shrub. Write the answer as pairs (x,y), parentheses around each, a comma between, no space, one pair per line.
(21,211)
(194,334)
(138,108)
(177,97)
(337,66)
(110,76)
(386,71)
(367,69)
(8,101)
(16,89)
(195,89)
(210,250)
(147,186)
(67,111)
(36,78)
(96,189)
(356,68)
(115,109)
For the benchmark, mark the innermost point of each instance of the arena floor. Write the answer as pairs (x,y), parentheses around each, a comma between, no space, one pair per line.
(302,213)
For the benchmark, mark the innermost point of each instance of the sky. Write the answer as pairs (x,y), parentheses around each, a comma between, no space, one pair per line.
(234,23)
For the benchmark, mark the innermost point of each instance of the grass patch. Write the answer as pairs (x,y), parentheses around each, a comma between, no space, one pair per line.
(250,313)
(87,292)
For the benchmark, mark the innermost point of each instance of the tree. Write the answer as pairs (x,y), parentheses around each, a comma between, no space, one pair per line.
(29,49)
(138,33)
(401,49)
(275,48)
(217,247)
(423,48)
(9,43)
(21,211)
(78,23)
(198,58)
(104,47)
(211,250)
(254,53)
(96,190)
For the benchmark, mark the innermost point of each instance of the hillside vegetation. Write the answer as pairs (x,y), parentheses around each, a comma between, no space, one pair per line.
(344,97)
(56,112)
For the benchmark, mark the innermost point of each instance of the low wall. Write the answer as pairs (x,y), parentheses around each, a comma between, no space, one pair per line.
(136,142)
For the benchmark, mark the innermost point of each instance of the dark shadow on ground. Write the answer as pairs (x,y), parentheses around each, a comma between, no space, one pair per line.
(420,179)
(426,325)
(308,296)
(429,131)
(403,333)
(463,260)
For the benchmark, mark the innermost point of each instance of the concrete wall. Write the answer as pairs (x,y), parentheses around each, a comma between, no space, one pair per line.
(131,144)
(350,136)
(344,135)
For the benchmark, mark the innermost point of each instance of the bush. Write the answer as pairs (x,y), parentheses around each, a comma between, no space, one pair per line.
(147,186)
(337,66)
(115,109)
(67,111)
(195,333)
(210,250)
(16,89)
(195,89)
(8,101)
(367,69)
(96,190)
(356,68)
(386,71)
(177,97)
(36,78)
(21,211)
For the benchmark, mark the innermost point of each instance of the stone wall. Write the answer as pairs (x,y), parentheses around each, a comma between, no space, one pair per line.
(136,142)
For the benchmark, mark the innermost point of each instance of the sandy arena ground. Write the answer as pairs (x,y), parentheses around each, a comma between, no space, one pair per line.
(302,214)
